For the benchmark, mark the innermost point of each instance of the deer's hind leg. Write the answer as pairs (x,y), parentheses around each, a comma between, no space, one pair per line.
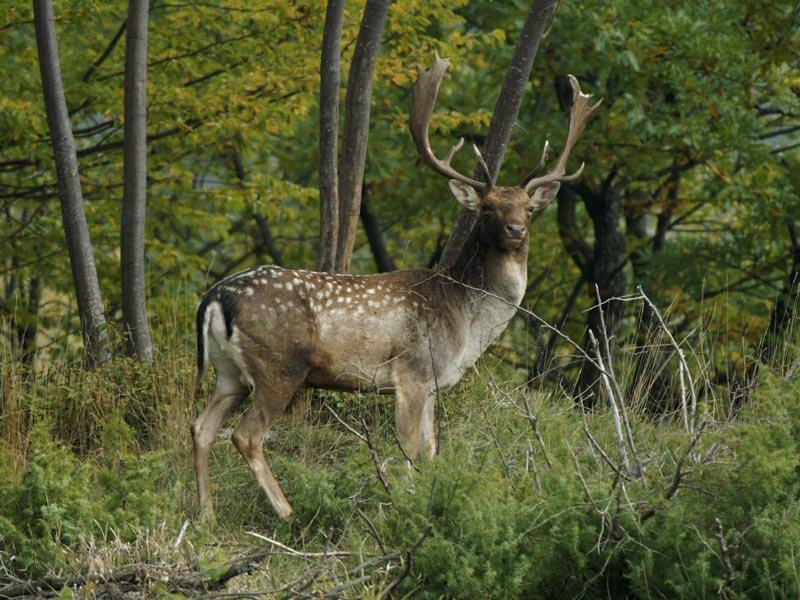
(273,393)
(228,395)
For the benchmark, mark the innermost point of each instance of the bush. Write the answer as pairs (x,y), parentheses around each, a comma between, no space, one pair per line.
(60,504)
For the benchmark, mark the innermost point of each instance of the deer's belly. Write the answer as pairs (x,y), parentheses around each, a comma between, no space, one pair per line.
(358,352)
(352,375)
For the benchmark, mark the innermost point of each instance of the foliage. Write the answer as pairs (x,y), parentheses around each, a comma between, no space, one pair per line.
(60,503)
(498,514)
(698,131)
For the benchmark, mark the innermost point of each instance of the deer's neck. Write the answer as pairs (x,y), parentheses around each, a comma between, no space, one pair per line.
(496,273)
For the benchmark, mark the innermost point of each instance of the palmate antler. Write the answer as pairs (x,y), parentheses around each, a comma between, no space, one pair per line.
(425,92)
(578,117)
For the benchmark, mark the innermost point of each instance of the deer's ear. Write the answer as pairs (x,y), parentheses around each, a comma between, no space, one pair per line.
(544,194)
(465,194)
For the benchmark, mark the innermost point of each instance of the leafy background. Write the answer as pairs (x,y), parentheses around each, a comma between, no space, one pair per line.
(699,132)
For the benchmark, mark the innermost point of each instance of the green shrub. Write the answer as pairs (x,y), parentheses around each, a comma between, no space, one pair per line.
(61,503)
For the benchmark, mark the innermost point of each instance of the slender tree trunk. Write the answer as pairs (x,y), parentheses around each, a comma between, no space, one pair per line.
(265,233)
(328,137)
(772,350)
(383,260)
(79,245)
(267,240)
(135,322)
(505,115)
(356,127)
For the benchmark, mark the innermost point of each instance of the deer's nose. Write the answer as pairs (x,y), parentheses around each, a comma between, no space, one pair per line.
(515,231)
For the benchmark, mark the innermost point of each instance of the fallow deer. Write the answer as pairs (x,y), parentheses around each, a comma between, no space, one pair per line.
(272,331)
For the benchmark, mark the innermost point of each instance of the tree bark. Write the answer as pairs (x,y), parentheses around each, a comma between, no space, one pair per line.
(607,278)
(264,231)
(136,327)
(651,378)
(328,137)
(383,260)
(76,231)
(771,349)
(356,127)
(505,115)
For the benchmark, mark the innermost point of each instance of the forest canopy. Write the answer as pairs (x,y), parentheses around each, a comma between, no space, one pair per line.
(690,186)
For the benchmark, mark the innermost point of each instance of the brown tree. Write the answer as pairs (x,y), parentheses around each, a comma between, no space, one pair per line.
(505,114)
(136,327)
(76,231)
(340,192)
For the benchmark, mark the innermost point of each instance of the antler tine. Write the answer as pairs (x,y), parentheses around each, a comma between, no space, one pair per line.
(426,91)
(487,173)
(545,153)
(578,117)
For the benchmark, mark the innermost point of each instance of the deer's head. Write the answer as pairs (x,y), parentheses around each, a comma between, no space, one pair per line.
(504,213)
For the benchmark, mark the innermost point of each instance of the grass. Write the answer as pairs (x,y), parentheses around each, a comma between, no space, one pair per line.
(527,497)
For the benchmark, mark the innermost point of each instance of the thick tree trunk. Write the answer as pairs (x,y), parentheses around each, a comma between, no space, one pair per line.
(356,127)
(79,245)
(136,327)
(607,278)
(505,115)
(328,137)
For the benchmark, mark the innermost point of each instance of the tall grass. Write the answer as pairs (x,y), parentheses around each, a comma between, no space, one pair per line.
(527,498)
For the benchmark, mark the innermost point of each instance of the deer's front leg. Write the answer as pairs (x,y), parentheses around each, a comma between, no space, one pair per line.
(414,419)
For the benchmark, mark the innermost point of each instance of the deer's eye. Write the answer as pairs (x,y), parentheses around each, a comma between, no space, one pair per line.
(530,210)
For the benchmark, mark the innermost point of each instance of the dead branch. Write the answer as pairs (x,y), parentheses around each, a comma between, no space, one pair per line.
(344,423)
(292,552)
(692,409)
(366,438)
(730,574)
(596,445)
(604,376)
(536,433)
(613,379)
(136,579)
(379,469)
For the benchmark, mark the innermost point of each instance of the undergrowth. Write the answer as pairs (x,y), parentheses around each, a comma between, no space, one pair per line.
(527,498)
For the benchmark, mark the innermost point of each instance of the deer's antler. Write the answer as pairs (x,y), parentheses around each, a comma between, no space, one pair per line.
(578,117)
(425,92)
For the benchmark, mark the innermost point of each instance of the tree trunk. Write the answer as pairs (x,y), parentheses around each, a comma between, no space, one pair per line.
(79,245)
(356,127)
(328,137)
(607,279)
(136,327)
(652,378)
(383,260)
(505,115)
(772,348)
(267,241)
